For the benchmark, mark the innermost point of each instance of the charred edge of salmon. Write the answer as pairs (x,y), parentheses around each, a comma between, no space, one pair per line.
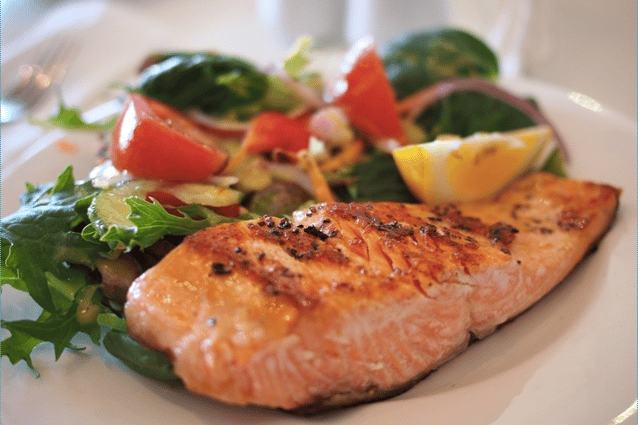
(370,395)
(589,251)
(373,394)
(614,216)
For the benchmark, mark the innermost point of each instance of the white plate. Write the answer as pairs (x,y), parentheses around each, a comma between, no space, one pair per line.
(571,359)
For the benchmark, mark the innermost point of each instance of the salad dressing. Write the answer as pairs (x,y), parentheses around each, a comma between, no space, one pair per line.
(87,310)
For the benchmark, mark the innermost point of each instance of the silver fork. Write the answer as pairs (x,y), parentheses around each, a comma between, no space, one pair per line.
(35,80)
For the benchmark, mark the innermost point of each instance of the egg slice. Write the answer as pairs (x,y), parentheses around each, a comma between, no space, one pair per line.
(452,169)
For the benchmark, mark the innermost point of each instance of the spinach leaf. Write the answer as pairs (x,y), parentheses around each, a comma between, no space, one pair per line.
(137,357)
(378,180)
(215,84)
(415,61)
(466,113)
(555,164)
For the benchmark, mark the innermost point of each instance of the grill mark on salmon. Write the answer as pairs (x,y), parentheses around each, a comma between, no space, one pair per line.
(347,303)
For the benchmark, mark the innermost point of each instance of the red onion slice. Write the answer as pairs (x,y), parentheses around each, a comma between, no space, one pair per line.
(412,106)
(223,128)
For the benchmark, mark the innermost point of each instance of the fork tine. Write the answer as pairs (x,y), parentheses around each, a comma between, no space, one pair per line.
(66,55)
(59,56)
(21,91)
(27,92)
(54,61)
(48,69)
(32,97)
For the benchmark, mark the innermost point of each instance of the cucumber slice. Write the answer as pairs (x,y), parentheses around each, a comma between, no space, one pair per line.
(109,208)
(204,194)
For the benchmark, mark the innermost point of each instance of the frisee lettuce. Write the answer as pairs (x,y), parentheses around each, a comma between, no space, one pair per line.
(152,222)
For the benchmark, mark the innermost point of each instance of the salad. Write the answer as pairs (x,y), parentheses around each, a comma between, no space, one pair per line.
(205,138)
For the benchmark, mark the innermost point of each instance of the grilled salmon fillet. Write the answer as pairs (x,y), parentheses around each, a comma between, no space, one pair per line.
(346,303)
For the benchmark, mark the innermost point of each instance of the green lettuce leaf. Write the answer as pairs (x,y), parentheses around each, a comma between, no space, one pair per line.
(20,345)
(49,252)
(43,239)
(58,329)
(44,255)
(71,119)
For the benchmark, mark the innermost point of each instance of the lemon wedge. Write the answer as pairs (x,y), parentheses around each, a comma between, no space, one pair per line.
(452,169)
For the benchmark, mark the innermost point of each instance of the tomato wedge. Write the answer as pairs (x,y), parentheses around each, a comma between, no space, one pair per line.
(365,94)
(269,131)
(153,140)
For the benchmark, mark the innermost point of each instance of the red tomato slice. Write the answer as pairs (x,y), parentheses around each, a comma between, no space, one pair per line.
(269,131)
(227,211)
(166,199)
(366,96)
(153,140)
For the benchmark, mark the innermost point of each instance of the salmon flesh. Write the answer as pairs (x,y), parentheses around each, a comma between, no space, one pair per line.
(345,303)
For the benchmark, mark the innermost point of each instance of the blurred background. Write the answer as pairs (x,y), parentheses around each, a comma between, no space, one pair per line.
(588,46)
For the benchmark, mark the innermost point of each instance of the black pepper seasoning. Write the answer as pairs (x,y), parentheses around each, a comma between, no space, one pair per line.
(220,269)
